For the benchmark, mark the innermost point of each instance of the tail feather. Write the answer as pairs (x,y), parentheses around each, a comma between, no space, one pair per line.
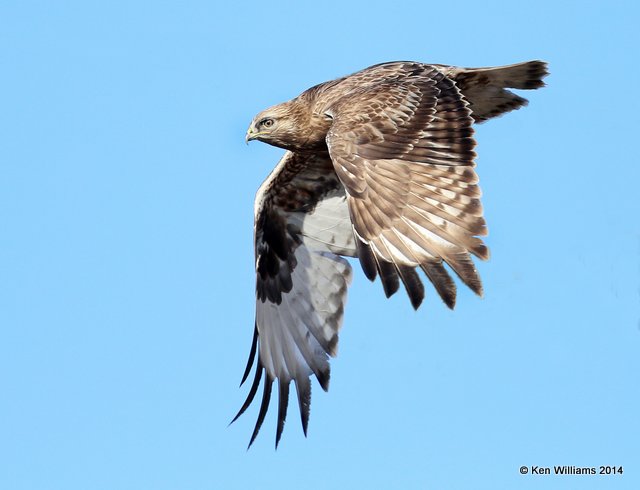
(485,88)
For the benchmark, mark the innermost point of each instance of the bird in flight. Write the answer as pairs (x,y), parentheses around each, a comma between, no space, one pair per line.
(379,166)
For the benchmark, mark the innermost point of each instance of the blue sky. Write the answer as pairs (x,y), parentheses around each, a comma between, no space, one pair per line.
(126,261)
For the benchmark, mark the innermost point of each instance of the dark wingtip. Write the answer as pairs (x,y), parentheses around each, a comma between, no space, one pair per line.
(442,282)
(464,267)
(283,402)
(264,407)
(449,298)
(303,389)
(388,277)
(323,378)
(412,284)
(252,391)
(252,355)
(367,259)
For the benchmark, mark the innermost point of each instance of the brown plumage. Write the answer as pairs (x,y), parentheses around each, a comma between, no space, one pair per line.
(380,166)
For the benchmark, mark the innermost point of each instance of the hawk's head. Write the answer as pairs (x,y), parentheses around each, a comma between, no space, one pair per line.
(276,126)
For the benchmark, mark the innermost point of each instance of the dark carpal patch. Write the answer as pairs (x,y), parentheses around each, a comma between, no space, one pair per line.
(275,250)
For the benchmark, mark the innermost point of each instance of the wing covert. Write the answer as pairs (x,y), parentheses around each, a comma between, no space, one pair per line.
(404,151)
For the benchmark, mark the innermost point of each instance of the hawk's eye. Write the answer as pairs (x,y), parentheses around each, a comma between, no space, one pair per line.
(266,123)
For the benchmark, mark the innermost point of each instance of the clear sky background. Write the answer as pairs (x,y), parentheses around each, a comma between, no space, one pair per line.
(126,255)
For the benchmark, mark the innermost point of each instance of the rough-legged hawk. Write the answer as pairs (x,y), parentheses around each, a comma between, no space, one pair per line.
(379,166)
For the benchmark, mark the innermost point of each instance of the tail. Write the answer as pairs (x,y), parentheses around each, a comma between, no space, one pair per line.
(485,88)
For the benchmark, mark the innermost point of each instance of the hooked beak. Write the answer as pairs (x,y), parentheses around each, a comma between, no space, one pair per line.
(251,134)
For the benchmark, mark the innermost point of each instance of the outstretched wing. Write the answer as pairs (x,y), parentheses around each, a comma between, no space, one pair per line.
(301,225)
(403,148)
(485,88)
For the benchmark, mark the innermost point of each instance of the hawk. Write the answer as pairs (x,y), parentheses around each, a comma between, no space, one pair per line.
(379,166)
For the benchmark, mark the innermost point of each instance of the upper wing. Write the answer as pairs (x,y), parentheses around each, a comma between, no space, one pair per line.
(301,224)
(485,88)
(404,151)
